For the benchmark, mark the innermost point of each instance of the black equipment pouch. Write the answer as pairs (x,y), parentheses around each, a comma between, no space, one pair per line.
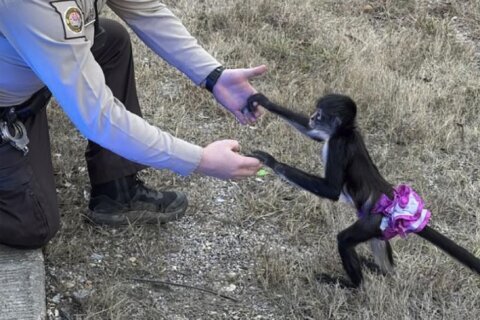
(12,129)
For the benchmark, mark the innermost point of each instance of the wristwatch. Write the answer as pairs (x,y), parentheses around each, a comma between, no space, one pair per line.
(212,78)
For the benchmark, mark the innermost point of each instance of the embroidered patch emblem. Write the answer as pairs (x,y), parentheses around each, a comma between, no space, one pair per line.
(74,20)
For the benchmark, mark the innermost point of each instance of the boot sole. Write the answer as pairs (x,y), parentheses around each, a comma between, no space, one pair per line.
(135,217)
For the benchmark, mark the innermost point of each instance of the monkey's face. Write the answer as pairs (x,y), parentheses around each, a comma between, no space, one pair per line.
(321,125)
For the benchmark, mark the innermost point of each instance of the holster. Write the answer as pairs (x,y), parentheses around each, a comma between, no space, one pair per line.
(37,102)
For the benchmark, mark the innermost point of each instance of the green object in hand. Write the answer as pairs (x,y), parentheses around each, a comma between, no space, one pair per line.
(261,173)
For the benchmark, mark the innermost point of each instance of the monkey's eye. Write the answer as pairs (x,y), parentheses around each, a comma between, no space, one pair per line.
(318,117)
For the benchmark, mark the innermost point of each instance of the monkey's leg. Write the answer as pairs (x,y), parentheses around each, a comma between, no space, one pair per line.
(361,231)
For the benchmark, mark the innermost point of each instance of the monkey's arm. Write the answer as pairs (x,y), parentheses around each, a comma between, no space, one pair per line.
(297,120)
(329,187)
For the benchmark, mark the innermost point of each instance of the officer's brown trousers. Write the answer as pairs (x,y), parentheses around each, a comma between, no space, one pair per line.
(29,215)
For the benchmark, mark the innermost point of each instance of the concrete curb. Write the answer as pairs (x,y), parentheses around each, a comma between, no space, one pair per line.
(22,284)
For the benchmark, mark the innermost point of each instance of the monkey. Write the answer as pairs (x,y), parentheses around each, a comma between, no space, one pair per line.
(350,175)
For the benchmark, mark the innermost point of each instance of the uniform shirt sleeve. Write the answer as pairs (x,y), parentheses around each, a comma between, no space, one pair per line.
(164,33)
(36,29)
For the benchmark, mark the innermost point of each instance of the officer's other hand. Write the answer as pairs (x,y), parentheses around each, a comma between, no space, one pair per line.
(233,89)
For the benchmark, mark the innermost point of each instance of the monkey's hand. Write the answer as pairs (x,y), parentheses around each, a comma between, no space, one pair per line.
(255,100)
(264,157)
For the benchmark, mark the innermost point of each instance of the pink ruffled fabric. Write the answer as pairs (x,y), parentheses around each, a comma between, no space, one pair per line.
(403,214)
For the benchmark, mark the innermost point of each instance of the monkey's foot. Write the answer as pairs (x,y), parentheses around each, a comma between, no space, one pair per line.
(372,266)
(335,281)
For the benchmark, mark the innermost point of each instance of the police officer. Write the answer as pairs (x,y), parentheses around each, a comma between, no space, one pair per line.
(63,47)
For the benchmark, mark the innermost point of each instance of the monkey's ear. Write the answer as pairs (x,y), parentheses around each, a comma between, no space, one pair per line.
(255,100)
(337,122)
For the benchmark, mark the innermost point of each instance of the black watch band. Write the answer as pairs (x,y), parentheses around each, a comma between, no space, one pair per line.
(212,78)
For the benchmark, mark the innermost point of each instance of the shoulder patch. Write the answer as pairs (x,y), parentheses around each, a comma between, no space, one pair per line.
(72,18)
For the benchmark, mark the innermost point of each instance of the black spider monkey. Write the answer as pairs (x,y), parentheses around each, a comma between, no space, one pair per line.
(350,175)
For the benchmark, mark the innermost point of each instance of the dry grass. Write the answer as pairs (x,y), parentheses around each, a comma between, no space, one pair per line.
(417,87)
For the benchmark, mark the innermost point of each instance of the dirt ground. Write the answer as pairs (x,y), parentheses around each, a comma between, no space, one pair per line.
(252,249)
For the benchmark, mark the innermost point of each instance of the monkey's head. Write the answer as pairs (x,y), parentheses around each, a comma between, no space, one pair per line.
(334,113)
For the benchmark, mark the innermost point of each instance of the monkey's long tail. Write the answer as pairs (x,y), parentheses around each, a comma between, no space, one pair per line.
(450,247)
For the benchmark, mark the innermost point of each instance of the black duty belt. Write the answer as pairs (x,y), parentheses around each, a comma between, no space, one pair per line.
(37,102)
(12,129)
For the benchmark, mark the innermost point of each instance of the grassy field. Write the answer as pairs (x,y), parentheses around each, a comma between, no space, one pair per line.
(413,68)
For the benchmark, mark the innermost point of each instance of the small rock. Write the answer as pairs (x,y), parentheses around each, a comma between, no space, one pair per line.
(56,298)
(231,276)
(97,257)
(367,8)
(230,288)
(81,296)
(88,284)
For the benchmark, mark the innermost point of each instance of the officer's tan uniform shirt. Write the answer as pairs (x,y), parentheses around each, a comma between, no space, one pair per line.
(48,43)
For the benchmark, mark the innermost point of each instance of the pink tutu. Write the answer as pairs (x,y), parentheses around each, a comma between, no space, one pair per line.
(402,215)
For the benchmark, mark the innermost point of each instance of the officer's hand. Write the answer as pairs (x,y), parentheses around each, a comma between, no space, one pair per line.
(233,89)
(221,159)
